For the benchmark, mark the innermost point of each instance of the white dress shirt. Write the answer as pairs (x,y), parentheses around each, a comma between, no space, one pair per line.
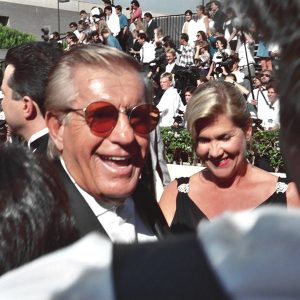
(121,222)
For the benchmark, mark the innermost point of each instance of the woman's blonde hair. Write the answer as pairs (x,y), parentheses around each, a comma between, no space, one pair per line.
(216,98)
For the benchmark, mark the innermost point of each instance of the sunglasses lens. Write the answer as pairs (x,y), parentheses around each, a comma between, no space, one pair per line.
(101,117)
(144,118)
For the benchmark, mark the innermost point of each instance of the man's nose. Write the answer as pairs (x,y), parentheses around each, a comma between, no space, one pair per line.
(123,132)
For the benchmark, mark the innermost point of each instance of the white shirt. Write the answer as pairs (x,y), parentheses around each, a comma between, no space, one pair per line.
(168,105)
(268,115)
(121,222)
(147,53)
(37,135)
(242,56)
(169,67)
(113,24)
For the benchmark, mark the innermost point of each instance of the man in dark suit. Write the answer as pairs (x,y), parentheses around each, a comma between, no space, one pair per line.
(24,84)
(150,25)
(99,116)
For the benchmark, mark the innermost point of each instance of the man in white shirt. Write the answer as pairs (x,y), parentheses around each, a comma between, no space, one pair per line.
(23,87)
(170,102)
(112,20)
(147,52)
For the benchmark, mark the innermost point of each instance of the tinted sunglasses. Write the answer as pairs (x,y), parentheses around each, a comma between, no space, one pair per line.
(102,117)
(267,75)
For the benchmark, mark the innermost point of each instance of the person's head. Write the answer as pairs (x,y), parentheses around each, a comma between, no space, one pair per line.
(118,9)
(158,32)
(108,10)
(221,43)
(99,97)
(24,84)
(201,36)
(170,56)
(142,38)
(230,13)
(200,10)
(83,15)
(71,38)
(135,4)
(54,36)
(266,77)
(257,80)
(95,36)
(272,92)
(184,39)
(215,5)
(166,81)
(218,118)
(73,26)
(106,2)
(105,32)
(148,16)
(188,93)
(34,209)
(188,15)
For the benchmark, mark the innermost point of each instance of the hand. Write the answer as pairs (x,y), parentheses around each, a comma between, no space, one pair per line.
(254,102)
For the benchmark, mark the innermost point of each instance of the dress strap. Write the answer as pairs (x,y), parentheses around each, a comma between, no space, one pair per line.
(183,184)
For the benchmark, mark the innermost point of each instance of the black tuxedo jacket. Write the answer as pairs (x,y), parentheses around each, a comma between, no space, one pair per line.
(40,145)
(150,30)
(86,221)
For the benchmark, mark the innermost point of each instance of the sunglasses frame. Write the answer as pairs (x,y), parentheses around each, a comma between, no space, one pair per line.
(128,111)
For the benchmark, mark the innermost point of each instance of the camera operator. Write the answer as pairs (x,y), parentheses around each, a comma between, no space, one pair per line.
(220,59)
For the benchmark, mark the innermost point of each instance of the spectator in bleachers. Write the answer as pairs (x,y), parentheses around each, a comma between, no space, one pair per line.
(217,15)
(112,20)
(71,40)
(219,57)
(170,101)
(109,39)
(135,12)
(151,25)
(202,58)
(73,28)
(186,52)
(123,34)
(190,27)
(202,21)
(229,29)
(158,34)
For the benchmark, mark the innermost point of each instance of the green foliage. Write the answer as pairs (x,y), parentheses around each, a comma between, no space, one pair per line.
(266,144)
(177,143)
(10,38)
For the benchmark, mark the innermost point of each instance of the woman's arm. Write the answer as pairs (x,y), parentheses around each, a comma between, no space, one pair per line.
(167,201)
(292,195)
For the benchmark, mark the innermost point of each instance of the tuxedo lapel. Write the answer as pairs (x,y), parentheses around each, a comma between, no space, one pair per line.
(146,205)
(40,145)
(85,220)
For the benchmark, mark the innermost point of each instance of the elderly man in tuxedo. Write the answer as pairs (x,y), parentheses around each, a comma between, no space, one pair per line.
(23,86)
(99,115)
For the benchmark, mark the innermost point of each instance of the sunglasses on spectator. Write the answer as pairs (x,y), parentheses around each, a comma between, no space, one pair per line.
(102,117)
(267,75)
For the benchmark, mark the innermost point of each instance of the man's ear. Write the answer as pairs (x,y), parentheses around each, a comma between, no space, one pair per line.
(29,108)
(56,129)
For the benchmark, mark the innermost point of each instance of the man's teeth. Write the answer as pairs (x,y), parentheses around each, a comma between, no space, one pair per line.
(115,158)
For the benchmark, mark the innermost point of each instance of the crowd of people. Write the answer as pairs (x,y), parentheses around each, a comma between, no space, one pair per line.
(213,45)
(89,128)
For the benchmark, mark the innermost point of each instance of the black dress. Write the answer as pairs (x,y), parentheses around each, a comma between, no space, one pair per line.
(188,215)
